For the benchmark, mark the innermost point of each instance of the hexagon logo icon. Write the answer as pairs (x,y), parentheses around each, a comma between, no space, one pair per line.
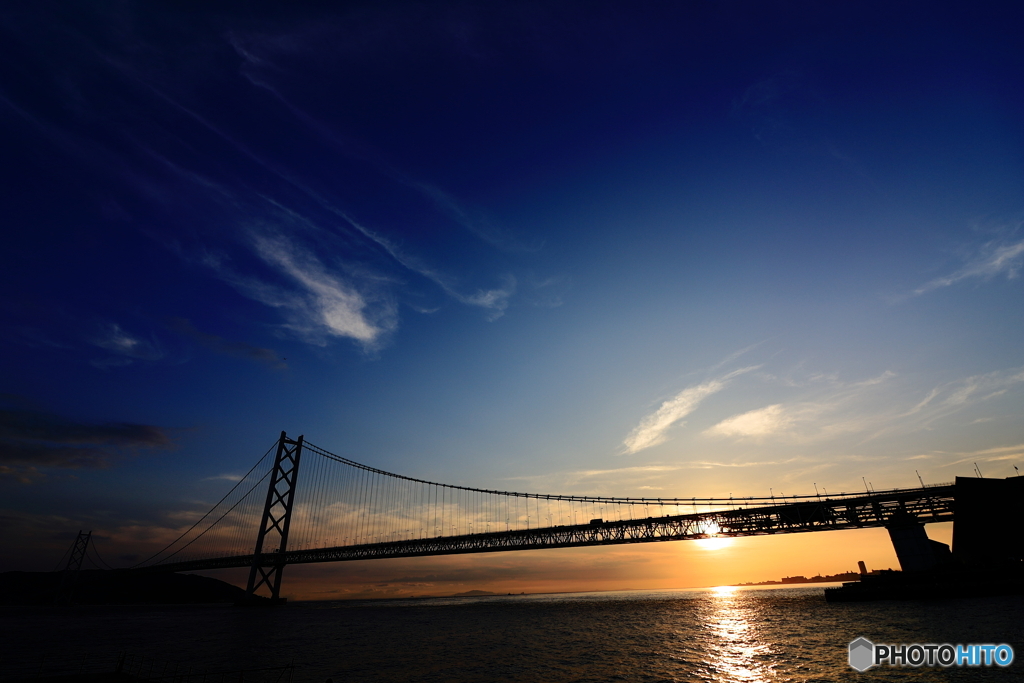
(862,654)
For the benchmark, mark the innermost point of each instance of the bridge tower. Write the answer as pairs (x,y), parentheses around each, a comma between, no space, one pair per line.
(66,590)
(267,567)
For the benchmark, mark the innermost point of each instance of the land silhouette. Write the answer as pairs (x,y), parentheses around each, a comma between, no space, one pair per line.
(114,587)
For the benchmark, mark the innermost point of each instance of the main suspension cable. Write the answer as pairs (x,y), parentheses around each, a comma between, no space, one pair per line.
(200,520)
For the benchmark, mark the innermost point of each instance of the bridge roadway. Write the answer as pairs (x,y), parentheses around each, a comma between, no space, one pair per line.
(877,509)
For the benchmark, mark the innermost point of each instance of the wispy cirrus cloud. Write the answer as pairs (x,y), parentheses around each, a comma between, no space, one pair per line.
(478,225)
(872,408)
(953,397)
(495,300)
(692,464)
(999,453)
(609,481)
(359,308)
(225,477)
(709,464)
(260,52)
(762,422)
(829,408)
(803,422)
(331,305)
(653,429)
(619,471)
(319,303)
(1000,461)
(125,347)
(635,479)
(991,260)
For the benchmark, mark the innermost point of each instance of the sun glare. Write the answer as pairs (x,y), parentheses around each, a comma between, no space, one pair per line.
(713,540)
(715,543)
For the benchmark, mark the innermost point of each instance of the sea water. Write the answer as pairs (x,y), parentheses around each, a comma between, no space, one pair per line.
(718,634)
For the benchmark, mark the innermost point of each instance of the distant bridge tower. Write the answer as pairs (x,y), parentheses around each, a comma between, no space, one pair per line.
(267,567)
(66,590)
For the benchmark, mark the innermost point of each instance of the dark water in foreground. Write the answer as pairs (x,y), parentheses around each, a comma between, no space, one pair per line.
(786,634)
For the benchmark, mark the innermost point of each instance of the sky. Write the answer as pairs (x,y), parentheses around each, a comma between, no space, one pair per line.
(630,249)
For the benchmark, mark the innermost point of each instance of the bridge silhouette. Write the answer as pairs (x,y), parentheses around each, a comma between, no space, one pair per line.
(343,510)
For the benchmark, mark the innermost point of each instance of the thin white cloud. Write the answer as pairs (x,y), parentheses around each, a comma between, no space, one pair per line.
(320,304)
(997,454)
(331,305)
(548,292)
(126,346)
(888,374)
(611,481)
(571,479)
(494,300)
(944,401)
(762,422)
(993,259)
(479,226)
(863,407)
(620,480)
(923,403)
(117,340)
(224,477)
(653,429)
(999,450)
(837,408)
(954,397)
(626,470)
(983,387)
(733,356)
(757,463)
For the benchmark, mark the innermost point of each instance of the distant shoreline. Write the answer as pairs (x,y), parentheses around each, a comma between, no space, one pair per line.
(801,580)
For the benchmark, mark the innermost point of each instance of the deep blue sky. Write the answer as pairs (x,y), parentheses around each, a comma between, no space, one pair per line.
(700,248)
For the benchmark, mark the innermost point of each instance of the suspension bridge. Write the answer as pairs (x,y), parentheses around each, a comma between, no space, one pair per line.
(342,510)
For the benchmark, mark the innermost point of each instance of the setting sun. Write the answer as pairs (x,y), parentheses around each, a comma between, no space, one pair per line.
(713,540)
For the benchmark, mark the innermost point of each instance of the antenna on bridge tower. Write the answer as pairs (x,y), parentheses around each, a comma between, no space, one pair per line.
(267,568)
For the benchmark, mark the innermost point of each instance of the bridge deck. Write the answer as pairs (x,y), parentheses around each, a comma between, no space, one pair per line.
(926,505)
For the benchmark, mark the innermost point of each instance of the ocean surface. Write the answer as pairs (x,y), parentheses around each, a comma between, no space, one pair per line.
(727,635)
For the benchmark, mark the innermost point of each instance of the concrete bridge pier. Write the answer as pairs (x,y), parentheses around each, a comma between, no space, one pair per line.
(915,551)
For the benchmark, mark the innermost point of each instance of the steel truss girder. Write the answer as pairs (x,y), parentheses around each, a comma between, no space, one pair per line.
(925,505)
(266,569)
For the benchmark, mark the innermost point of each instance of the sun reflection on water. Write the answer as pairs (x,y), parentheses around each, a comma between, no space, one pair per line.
(736,652)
